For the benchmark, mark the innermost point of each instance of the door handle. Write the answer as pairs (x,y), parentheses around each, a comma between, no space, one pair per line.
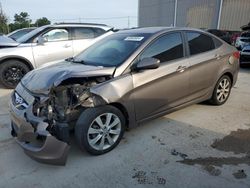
(67,46)
(217,56)
(181,69)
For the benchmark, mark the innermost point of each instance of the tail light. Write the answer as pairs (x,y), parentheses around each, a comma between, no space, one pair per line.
(236,54)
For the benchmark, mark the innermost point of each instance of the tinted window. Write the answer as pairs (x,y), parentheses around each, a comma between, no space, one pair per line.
(199,43)
(217,43)
(84,33)
(98,31)
(165,48)
(56,35)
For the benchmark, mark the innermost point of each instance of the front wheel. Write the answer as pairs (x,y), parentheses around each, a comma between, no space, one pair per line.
(100,129)
(221,91)
(11,72)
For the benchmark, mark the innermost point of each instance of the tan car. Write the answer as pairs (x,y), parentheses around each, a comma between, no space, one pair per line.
(119,82)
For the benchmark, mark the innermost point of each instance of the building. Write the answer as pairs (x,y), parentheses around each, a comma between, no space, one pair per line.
(212,14)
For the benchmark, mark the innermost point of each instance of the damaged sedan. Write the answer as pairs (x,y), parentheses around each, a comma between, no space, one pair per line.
(117,83)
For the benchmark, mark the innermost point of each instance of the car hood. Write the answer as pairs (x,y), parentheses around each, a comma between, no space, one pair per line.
(41,80)
(7,42)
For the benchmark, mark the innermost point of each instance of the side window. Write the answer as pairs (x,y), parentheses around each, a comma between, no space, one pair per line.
(56,35)
(199,43)
(217,43)
(83,33)
(98,31)
(165,48)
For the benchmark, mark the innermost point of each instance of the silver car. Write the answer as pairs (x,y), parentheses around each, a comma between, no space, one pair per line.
(243,40)
(125,79)
(46,44)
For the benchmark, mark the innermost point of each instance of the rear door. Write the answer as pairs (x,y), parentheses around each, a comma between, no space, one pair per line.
(57,46)
(83,37)
(160,89)
(204,59)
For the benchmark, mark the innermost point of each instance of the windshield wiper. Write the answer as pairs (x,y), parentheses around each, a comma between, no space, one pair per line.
(73,60)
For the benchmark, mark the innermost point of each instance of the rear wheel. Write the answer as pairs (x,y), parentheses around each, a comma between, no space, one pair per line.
(221,91)
(11,72)
(99,130)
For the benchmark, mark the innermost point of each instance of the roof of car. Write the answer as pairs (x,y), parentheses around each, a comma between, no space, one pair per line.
(103,26)
(155,30)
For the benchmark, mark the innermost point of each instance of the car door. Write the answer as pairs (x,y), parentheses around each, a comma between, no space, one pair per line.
(204,62)
(161,89)
(56,45)
(84,37)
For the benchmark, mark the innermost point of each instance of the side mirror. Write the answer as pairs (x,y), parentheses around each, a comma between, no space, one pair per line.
(147,63)
(41,40)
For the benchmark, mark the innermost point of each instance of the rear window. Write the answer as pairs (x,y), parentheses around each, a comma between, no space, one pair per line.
(83,33)
(199,43)
(87,33)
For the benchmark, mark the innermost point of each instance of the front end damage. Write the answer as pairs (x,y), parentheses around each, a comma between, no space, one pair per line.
(41,123)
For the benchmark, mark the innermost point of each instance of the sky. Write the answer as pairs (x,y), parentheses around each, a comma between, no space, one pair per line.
(118,13)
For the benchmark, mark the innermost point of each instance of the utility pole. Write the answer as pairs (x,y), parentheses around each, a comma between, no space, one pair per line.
(175,12)
(219,17)
(128,22)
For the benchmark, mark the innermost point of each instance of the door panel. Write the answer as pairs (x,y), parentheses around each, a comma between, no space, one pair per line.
(52,51)
(167,86)
(203,69)
(204,63)
(160,89)
(54,45)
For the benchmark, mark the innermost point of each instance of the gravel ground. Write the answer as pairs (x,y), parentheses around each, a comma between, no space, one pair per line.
(193,147)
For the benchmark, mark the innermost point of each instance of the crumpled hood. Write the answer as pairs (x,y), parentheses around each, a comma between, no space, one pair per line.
(7,42)
(42,80)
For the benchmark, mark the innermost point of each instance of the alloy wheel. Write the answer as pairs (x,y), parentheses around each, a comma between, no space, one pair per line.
(223,90)
(13,74)
(104,131)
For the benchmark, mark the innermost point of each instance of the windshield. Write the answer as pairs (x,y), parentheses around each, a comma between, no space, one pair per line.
(27,36)
(112,51)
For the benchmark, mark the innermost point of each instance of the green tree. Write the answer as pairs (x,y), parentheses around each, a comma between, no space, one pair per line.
(21,20)
(3,21)
(42,21)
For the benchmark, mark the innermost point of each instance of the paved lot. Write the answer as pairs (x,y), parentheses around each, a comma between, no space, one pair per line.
(148,155)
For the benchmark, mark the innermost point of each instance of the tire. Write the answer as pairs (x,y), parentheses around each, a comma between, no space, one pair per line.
(221,92)
(88,129)
(11,72)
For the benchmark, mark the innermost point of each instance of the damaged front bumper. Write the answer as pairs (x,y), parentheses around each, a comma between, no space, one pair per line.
(31,134)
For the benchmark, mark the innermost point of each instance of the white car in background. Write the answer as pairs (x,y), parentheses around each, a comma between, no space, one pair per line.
(46,44)
(243,40)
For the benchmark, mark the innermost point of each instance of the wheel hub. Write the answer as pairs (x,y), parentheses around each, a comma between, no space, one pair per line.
(104,131)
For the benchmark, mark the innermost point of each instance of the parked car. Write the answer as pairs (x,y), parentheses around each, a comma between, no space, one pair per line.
(119,82)
(45,44)
(20,32)
(224,35)
(243,40)
(245,56)
(6,41)
(234,37)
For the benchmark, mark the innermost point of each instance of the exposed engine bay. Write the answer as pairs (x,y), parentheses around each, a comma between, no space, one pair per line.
(65,103)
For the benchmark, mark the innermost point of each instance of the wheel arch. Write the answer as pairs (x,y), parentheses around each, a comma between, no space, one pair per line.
(19,58)
(124,111)
(230,75)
